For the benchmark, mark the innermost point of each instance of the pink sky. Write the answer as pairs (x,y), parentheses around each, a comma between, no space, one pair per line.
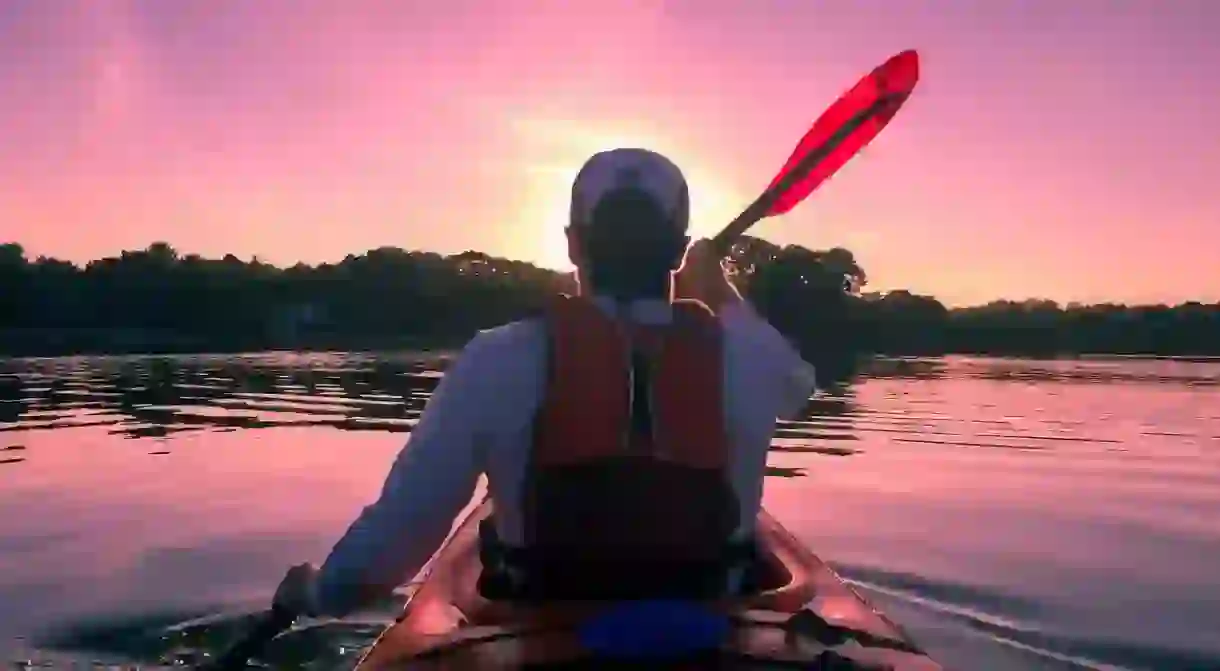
(1054,149)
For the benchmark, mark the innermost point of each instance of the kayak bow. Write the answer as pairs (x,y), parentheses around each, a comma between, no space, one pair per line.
(803,616)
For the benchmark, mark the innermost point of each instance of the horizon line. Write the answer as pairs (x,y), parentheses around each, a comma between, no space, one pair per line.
(879,292)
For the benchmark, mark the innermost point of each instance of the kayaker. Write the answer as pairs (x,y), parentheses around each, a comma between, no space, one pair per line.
(617,428)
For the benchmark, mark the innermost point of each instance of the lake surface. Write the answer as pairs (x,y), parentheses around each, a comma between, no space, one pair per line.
(1011,514)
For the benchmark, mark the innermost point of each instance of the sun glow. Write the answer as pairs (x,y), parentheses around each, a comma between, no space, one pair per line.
(557,149)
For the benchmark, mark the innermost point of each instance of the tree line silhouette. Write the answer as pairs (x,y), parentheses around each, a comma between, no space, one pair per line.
(156,300)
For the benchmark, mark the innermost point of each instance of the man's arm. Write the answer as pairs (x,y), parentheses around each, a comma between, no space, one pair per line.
(767,346)
(432,479)
(703,278)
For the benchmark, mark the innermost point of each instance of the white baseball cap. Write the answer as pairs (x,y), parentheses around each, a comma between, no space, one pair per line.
(630,169)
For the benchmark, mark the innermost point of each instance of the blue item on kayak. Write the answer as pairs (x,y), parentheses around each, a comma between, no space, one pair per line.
(659,628)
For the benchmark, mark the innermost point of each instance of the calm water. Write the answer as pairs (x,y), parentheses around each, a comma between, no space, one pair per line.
(1012,514)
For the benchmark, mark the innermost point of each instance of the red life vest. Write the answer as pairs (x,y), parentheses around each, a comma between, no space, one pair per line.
(630,459)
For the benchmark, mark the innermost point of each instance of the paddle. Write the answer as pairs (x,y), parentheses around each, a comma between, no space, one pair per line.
(841,132)
(271,623)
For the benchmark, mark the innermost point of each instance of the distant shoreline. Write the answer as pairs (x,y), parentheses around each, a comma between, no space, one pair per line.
(447,348)
(156,301)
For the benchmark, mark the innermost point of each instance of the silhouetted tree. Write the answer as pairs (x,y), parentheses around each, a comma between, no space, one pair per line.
(157,299)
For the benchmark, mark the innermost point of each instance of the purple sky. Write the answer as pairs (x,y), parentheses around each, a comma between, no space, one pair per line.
(1054,149)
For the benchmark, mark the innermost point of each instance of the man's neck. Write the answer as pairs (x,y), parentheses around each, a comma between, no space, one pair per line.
(640,310)
(588,290)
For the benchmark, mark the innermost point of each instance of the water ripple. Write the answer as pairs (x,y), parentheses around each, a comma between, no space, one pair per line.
(1082,468)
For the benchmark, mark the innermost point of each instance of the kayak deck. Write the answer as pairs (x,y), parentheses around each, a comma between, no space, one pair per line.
(804,616)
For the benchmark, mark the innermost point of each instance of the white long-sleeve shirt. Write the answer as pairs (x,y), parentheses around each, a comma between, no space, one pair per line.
(479,421)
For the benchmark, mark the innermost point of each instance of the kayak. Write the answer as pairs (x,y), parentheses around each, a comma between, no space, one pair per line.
(803,616)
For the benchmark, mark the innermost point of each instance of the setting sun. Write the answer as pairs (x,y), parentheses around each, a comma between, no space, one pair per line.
(559,149)
(284,286)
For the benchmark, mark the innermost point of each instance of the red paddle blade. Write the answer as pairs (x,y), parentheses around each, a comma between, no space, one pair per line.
(854,120)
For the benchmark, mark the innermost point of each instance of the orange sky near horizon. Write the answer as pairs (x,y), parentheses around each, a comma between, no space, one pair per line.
(1053,149)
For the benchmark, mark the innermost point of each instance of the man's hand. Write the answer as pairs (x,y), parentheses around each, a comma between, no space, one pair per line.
(704,278)
(568,284)
(296,591)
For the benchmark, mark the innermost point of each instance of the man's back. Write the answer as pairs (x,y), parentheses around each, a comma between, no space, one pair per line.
(763,380)
(627,237)
(479,422)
